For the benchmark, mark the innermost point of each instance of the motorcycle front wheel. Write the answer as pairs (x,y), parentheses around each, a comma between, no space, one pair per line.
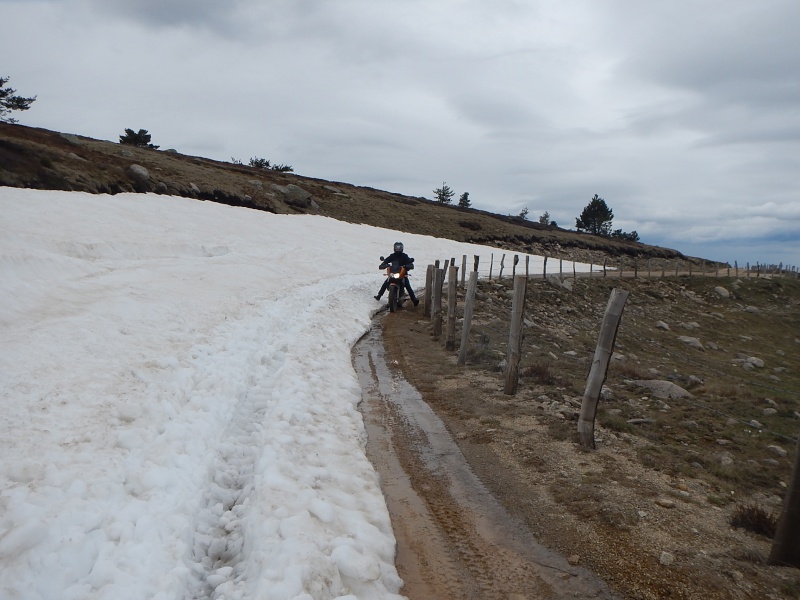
(392,298)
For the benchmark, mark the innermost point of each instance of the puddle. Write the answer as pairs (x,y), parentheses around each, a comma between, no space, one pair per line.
(454,539)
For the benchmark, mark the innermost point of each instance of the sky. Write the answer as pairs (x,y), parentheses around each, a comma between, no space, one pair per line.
(683,116)
(180,409)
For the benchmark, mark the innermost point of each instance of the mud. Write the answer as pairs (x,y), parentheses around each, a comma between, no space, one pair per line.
(454,539)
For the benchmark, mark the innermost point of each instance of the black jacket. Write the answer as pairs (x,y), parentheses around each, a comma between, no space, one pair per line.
(402,257)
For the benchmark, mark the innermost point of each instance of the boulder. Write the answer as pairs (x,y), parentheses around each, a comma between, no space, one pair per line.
(140,177)
(692,342)
(661,389)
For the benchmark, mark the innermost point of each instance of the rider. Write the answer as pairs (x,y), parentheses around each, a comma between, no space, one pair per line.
(406,262)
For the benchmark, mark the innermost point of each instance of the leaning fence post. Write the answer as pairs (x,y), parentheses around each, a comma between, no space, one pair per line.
(450,336)
(436,313)
(514,353)
(502,264)
(786,543)
(428,290)
(469,305)
(599,369)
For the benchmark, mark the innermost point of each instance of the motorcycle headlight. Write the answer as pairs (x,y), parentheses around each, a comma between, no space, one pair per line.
(395,275)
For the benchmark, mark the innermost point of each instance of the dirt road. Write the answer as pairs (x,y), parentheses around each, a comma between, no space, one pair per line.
(454,539)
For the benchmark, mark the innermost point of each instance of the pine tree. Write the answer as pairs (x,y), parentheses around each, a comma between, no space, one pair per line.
(9,102)
(463,200)
(444,194)
(140,139)
(596,218)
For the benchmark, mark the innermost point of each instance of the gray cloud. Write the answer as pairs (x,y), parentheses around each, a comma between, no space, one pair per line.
(681,115)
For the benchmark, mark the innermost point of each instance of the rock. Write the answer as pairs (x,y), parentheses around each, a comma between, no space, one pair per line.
(74,156)
(193,189)
(777,450)
(161,188)
(753,309)
(692,325)
(71,138)
(662,325)
(770,411)
(723,442)
(756,362)
(662,389)
(140,177)
(725,459)
(692,342)
(574,559)
(755,424)
(666,559)
(665,502)
(712,345)
(771,462)
(722,292)
(606,393)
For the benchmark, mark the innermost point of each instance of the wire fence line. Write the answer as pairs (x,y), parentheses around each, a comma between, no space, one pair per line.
(447,273)
(507,265)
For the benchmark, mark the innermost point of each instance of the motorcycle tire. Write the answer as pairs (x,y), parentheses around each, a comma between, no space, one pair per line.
(392,298)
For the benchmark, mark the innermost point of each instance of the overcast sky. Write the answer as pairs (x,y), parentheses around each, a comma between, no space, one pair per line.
(683,115)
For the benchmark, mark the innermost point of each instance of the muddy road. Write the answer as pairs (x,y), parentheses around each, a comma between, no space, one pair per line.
(455,540)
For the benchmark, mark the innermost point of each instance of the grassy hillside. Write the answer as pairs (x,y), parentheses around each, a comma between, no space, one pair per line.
(42,159)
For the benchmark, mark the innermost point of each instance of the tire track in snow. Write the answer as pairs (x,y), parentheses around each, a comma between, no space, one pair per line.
(291,403)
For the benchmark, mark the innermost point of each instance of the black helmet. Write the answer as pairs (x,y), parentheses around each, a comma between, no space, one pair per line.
(398,246)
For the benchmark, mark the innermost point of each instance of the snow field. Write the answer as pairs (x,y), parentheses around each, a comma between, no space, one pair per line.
(180,412)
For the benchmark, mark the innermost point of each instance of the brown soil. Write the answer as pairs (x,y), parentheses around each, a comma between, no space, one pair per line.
(635,511)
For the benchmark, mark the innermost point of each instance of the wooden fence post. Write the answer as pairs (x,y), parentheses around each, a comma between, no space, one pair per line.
(514,266)
(428,290)
(605,262)
(736,268)
(599,369)
(527,266)
(502,264)
(463,269)
(649,268)
(574,271)
(544,268)
(560,269)
(450,335)
(636,268)
(436,313)
(514,353)
(786,543)
(476,260)
(621,267)
(491,266)
(469,305)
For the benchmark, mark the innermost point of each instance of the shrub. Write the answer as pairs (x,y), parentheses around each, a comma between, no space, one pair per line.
(755,519)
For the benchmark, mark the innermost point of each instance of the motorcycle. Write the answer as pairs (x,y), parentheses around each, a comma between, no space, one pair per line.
(396,277)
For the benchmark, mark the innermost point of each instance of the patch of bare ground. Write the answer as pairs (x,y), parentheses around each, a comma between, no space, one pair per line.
(649,511)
